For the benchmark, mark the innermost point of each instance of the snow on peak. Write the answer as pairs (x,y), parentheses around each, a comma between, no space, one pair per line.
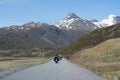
(111,16)
(110,20)
(71,16)
(34,24)
(72,21)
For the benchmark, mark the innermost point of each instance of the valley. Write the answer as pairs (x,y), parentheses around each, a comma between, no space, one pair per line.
(85,42)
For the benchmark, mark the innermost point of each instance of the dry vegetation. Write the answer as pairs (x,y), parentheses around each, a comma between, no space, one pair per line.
(10,62)
(104,59)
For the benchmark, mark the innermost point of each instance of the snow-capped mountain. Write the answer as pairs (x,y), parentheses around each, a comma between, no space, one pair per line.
(61,34)
(26,26)
(72,21)
(34,24)
(110,20)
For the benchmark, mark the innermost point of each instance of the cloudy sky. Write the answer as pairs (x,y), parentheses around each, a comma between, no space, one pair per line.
(18,12)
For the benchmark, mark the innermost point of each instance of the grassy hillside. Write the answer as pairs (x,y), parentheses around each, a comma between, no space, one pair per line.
(104,59)
(94,38)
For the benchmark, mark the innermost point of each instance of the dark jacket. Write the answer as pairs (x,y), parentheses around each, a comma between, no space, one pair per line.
(56,58)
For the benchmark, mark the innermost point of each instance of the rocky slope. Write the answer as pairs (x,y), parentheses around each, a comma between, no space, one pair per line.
(72,21)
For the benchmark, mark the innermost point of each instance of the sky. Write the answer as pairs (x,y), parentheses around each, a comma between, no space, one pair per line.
(18,12)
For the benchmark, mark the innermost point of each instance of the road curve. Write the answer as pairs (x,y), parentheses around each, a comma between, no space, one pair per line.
(64,70)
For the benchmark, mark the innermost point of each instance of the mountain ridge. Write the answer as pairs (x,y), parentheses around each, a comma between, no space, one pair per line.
(92,39)
(72,21)
(28,34)
(34,34)
(109,21)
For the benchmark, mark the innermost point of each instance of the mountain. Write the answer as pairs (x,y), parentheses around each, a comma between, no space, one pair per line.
(91,39)
(104,59)
(72,21)
(109,21)
(37,34)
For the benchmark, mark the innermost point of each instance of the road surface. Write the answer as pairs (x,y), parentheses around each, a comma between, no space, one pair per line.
(64,70)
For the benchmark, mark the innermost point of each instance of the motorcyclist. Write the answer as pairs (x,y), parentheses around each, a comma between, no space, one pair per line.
(56,58)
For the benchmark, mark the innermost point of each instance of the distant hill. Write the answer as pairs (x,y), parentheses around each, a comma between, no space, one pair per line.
(94,38)
(104,59)
(33,34)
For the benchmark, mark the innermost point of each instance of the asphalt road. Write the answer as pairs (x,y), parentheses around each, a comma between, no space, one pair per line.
(64,70)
